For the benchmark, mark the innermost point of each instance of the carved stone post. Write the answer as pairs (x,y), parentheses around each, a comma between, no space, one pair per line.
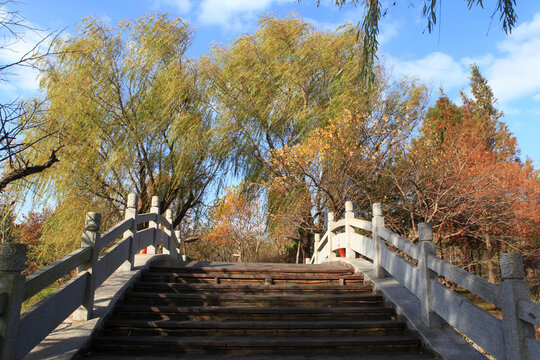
(349,231)
(154,209)
(315,248)
(131,213)
(12,259)
(168,233)
(427,277)
(331,219)
(376,222)
(512,289)
(90,239)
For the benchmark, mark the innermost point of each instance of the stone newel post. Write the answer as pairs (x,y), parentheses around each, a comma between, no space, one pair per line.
(90,239)
(376,222)
(167,245)
(512,289)
(154,209)
(331,220)
(131,213)
(427,277)
(349,231)
(12,259)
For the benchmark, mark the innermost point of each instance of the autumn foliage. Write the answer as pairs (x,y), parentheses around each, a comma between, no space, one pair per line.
(237,230)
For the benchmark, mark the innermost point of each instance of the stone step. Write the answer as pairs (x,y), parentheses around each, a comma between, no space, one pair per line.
(257,345)
(254,313)
(249,270)
(251,288)
(251,300)
(107,355)
(158,276)
(143,327)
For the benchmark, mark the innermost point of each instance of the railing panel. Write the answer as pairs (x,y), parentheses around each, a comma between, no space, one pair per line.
(400,269)
(477,324)
(324,253)
(363,245)
(113,233)
(52,272)
(401,243)
(339,241)
(49,314)
(323,241)
(108,263)
(163,221)
(530,312)
(144,218)
(337,224)
(361,224)
(473,283)
(144,238)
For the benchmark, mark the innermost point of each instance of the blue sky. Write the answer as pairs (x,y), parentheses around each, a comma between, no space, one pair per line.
(511,63)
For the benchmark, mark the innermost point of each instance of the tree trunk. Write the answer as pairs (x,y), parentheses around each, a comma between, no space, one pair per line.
(492,275)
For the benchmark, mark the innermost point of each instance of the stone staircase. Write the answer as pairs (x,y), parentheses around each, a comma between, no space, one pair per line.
(281,311)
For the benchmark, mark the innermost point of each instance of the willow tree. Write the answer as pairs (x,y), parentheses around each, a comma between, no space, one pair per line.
(376,10)
(131,113)
(272,90)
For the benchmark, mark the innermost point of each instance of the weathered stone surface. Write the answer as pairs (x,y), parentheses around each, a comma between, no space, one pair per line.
(425,231)
(92,221)
(12,257)
(513,289)
(511,266)
(445,342)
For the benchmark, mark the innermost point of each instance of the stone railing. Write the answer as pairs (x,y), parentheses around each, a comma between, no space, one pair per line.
(511,338)
(20,333)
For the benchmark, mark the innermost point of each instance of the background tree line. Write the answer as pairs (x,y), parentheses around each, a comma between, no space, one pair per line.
(286,116)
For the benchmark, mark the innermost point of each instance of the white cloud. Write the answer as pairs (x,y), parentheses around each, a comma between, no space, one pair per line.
(388,31)
(233,14)
(22,78)
(181,6)
(436,69)
(512,72)
(536,97)
(516,71)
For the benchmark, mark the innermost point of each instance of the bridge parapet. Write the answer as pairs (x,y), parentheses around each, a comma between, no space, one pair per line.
(417,268)
(99,256)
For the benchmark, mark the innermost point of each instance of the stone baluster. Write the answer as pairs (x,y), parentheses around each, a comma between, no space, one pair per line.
(512,289)
(90,239)
(131,213)
(12,260)
(427,277)
(377,221)
(154,209)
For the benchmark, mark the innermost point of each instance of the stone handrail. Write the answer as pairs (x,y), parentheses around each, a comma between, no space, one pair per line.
(52,272)
(509,339)
(19,334)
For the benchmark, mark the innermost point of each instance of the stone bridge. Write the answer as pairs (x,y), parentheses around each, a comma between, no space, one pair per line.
(383,300)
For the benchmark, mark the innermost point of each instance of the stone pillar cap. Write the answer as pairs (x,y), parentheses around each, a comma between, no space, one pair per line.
(511,265)
(377,209)
(12,257)
(425,231)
